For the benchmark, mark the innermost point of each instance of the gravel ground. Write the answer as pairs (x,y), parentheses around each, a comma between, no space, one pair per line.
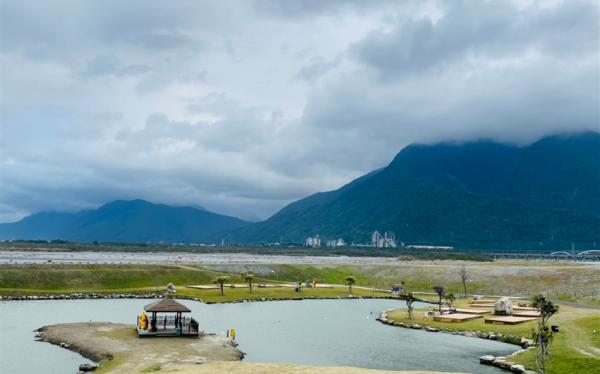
(99,341)
(252,368)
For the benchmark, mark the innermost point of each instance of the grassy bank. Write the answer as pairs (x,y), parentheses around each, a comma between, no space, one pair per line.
(575,349)
(59,279)
(576,282)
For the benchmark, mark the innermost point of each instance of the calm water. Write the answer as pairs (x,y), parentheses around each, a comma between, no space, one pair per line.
(319,332)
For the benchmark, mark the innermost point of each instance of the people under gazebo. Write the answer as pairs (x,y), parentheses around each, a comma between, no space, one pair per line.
(162,324)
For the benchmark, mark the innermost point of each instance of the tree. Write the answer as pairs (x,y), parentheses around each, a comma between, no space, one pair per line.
(440,292)
(409,298)
(248,276)
(464,277)
(350,280)
(450,299)
(221,281)
(543,334)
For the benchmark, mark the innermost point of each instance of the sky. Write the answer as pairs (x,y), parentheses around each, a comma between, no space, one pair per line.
(243,106)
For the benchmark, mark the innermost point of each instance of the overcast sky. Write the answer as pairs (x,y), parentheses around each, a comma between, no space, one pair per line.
(244,106)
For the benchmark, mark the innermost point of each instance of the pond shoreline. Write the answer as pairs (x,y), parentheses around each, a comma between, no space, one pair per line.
(153,295)
(103,342)
(499,361)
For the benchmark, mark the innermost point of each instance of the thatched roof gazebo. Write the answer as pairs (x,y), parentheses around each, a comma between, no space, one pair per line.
(165,324)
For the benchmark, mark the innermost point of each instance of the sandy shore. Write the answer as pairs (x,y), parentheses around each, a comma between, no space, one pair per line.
(259,368)
(118,347)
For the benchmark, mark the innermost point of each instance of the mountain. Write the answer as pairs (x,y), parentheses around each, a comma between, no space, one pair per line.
(124,221)
(473,195)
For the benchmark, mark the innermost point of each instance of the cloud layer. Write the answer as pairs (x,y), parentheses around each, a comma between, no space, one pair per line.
(243,106)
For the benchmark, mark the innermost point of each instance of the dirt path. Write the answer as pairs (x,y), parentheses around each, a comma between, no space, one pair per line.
(121,351)
(259,368)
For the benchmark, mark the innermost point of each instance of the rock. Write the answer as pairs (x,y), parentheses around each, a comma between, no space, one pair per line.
(171,288)
(503,307)
(486,360)
(416,326)
(528,344)
(88,367)
(501,363)
(493,337)
(431,329)
(517,368)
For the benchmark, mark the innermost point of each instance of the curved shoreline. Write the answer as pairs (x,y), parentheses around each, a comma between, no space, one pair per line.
(118,344)
(499,362)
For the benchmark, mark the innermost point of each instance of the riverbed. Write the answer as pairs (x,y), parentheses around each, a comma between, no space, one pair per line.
(312,332)
(166,258)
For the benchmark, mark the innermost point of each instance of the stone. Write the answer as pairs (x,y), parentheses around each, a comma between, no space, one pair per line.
(503,307)
(416,326)
(431,329)
(88,367)
(171,288)
(486,360)
(528,344)
(493,337)
(517,368)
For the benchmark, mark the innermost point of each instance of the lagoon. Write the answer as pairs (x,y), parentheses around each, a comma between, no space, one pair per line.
(312,332)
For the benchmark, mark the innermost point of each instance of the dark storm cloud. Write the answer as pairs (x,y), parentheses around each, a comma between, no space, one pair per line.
(241,106)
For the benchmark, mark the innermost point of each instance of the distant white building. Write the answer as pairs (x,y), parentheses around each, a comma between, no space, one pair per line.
(313,241)
(387,240)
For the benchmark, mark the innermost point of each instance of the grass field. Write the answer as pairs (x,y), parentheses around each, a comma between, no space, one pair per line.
(576,282)
(57,279)
(575,349)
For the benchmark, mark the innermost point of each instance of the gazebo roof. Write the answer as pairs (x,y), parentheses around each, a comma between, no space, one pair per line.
(166,305)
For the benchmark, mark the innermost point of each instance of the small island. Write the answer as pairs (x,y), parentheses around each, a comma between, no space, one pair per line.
(119,350)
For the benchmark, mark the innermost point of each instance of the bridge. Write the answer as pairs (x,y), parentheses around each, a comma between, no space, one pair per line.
(589,255)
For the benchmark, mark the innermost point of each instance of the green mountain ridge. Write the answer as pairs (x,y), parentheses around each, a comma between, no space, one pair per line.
(472,195)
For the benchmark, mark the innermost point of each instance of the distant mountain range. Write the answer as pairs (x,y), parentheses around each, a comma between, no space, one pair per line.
(471,195)
(124,221)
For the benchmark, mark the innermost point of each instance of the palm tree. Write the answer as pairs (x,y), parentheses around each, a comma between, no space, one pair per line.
(450,299)
(248,277)
(350,280)
(440,292)
(221,279)
(409,298)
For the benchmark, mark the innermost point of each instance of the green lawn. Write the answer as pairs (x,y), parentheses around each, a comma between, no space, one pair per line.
(57,279)
(575,349)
